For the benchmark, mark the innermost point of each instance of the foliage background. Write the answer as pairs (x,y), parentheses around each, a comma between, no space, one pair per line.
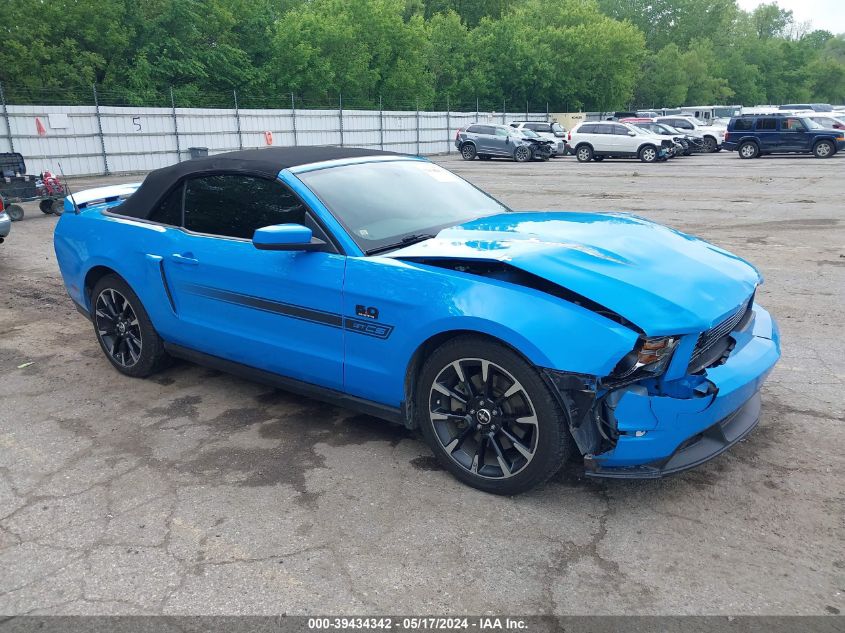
(570,54)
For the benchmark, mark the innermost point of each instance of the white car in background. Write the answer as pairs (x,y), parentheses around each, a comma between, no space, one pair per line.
(597,140)
(548,131)
(832,121)
(711,136)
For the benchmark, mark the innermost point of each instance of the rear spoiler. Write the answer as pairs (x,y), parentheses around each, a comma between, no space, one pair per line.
(111,195)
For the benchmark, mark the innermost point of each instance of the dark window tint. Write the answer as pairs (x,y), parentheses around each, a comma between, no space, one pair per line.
(474,129)
(539,127)
(235,206)
(604,129)
(743,125)
(682,124)
(767,124)
(587,128)
(170,209)
(620,130)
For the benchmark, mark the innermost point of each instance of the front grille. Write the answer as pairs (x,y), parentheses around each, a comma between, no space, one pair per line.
(714,342)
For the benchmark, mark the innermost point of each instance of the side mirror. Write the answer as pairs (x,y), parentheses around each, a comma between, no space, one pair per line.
(286,237)
(631,133)
(560,134)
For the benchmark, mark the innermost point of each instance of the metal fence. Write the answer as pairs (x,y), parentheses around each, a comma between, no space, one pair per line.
(102,139)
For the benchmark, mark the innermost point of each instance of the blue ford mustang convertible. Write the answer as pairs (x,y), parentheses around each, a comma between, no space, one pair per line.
(386,284)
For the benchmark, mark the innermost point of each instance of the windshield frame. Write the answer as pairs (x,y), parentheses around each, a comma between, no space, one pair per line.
(394,242)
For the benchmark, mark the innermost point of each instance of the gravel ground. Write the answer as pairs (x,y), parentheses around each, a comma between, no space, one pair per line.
(199,493)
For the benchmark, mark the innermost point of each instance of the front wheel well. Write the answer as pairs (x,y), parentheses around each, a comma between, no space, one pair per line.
(423,351)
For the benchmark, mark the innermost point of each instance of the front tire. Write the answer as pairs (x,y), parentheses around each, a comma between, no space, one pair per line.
(522,154)
(823,149)
(489,417)
(124,330)
(648,154)
(710,144)
(468,151)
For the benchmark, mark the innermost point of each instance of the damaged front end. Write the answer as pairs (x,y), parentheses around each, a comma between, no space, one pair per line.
(672,402)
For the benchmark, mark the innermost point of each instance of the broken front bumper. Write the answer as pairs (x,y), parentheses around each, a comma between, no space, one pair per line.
(664,434)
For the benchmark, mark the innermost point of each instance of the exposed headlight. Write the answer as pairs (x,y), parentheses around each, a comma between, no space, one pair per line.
(650,356)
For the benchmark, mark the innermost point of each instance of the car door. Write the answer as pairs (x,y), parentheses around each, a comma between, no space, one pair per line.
(279,311)
(483,137)
(623,143)
(794,135)
(767,134)
(501,142)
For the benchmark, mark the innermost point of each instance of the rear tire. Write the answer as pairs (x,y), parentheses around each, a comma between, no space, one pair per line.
(46,206)
(58,206)
(584,154)
(823,149)
(748,150)
(468,151)
(124,330)
(496,443)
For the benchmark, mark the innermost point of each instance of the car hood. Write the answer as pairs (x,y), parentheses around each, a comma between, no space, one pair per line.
(660,279)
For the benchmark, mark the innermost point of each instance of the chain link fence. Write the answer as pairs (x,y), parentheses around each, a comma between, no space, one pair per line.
(113,132)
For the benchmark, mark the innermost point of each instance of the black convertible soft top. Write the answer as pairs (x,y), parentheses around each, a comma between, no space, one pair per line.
(267,162)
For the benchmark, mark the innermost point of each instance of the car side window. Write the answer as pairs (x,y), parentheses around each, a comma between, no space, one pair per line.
(232,205)
(742,125)
(792,125)
(603,129)
(587,128)
(767,124)
(620,130)
(474,129)
(169,211)
(501,132)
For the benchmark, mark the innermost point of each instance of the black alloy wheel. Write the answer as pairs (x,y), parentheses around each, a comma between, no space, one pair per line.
(118,328)
(490,418)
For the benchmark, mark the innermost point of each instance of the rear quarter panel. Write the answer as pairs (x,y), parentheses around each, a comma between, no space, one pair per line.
(90,239)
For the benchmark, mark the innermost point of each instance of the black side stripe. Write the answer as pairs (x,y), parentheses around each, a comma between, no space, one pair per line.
(330,319)
(266,305)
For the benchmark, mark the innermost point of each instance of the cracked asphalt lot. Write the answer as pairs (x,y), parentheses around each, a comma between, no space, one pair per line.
(199,493)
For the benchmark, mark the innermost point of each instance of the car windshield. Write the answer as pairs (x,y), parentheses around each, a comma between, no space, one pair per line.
(665,129)
(387,204)
(556,127)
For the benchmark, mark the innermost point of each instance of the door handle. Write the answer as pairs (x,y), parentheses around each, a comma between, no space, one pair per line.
(186,259)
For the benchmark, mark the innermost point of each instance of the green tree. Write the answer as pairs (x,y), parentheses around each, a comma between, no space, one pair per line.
(664,80)
(705,86)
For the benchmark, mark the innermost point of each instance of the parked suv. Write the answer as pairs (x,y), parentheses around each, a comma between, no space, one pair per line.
(711,136)
(486,140)
(597,140)
(758,134)
(550,131)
